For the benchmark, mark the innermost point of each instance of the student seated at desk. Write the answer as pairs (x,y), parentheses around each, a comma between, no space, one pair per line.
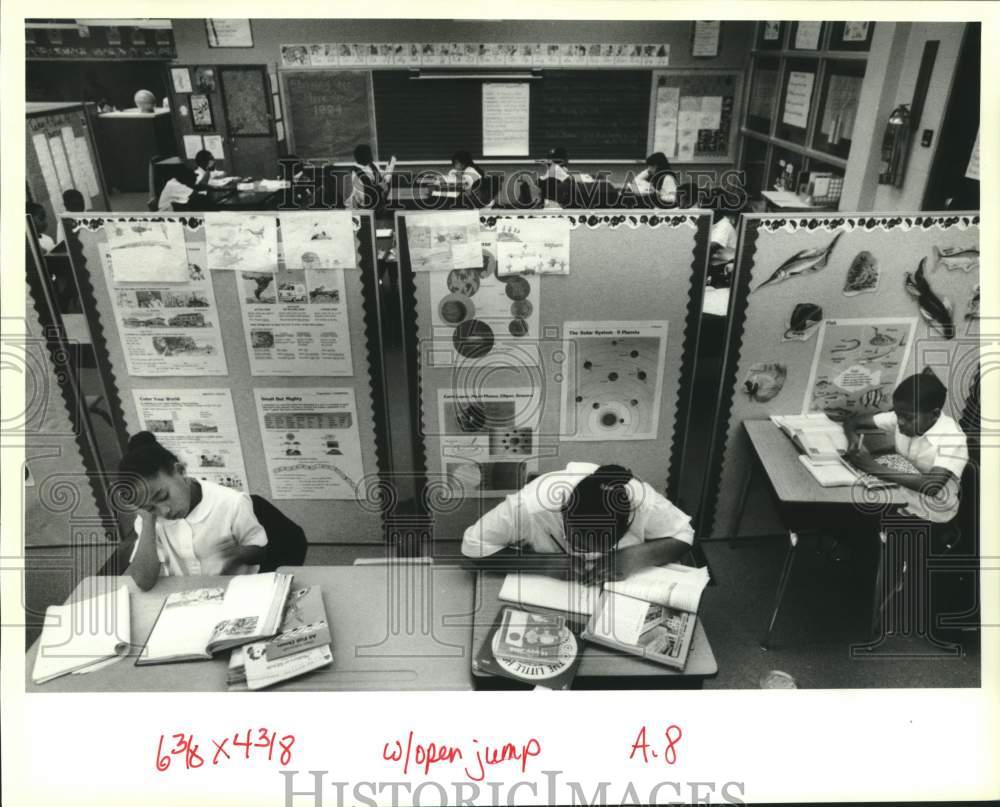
(41,220)
(933,442)
(658,178)
(179,193)
(369,185)
(555,183)
(606,521)
(187,527)
(204,163)
(463,171)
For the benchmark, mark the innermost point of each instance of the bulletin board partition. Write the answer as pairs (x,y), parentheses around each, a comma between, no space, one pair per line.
(693,114)
(259,376)
(828,313)
(519,374)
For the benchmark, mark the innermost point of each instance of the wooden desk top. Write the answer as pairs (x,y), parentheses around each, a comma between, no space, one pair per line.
(792,483)
(393,627)
(598,661)
(792,202)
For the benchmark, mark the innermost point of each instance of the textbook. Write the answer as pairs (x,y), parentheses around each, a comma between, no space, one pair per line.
(642,628)
(199,623)
(83,636)
(673,585)
(531,648)
(303,631)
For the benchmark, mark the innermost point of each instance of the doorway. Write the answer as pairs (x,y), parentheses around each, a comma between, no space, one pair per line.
(249,120)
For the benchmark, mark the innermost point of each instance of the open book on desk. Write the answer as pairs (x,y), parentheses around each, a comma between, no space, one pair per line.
(673,585)
(822,444)
(81,636)
(198,623)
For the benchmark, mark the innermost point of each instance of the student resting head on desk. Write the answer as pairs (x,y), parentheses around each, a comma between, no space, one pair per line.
(933,442)
(599,523)
(179,193)
(658,178)
(186,526)
(204,163)
(369,185)
(463,171)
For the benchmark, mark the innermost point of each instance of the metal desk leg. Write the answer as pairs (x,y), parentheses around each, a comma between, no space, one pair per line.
(786,572)
(741,502)
(879,596)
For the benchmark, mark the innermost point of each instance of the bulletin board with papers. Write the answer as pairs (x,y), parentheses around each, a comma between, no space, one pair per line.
(252,351)
(829,312)
(534,352)
(693,114)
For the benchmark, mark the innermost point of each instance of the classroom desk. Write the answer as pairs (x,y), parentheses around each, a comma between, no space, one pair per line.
(230,198)
(803,503)
(394,628)
(788,202)
(601,667)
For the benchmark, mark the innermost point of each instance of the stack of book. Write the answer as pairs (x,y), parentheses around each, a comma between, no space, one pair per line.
(302,644)
(530,647)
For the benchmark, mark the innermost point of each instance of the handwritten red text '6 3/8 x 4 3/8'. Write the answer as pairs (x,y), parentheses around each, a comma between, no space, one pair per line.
(240,746)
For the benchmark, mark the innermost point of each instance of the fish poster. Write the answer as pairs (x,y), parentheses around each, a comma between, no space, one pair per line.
(246,242)
(857,365)
(613,381)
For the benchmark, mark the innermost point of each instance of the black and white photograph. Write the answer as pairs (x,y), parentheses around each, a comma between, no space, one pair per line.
(478,549)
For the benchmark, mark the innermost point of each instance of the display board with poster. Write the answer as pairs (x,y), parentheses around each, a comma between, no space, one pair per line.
(693,114)
(313,327)
(829,313)
(505,361)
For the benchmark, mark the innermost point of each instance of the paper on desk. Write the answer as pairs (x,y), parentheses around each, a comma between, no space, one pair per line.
(672,585)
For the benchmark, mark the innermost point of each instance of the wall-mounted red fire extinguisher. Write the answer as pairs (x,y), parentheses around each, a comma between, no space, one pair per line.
(895,147)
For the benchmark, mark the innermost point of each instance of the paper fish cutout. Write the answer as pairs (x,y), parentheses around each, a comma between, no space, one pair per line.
(803,322)
(803,262)
(973,310)
(952,258)
(764,381)
(881,339)
(862,276)
(936,310)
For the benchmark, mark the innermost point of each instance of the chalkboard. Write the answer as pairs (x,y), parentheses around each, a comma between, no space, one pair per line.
(328,112)
(715,142)
(593,114)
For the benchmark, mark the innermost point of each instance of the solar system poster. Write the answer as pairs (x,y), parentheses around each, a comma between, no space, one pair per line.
(613,380)
(857,365)
(489,439)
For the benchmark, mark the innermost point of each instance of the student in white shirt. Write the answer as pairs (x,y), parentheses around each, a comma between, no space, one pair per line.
(187,527)
(463,171)
(369,185)
(178,192)
(555,183)
(41,220)
(933,442)
(658,178)
(606,521)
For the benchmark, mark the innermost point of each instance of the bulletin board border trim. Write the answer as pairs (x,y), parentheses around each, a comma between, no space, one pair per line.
(750,229)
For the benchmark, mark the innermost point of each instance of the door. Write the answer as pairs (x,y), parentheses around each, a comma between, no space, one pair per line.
(246,102)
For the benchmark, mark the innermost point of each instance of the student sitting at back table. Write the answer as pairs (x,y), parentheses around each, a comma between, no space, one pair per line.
(369,185)
(658,178)
(204,163)
(604,521)
(179,193)
(41,220)
(555,183)
(187,527)
(933,442)
(463,171)
(73,202)
(304,187)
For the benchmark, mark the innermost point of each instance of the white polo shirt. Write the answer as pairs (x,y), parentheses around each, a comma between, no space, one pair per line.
(943,445)
(668,188)
(174,191)
(468,177)
(206,540)
(532,517)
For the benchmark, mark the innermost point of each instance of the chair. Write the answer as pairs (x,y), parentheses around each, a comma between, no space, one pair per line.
(286,540)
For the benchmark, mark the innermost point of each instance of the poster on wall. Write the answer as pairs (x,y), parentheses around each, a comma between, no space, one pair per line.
(229,33)
(479,317)
(318,240)
(706,38)
(169,329)
(665,124)
(613,381)
(798,95)
(199,426)
(312,447)
(295,322)
(535,246)
(857,365)
(489,438)
(181,77)
(506,109)
(146,251)
(444,241)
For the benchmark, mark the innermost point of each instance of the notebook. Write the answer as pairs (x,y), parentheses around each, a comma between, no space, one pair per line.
(83,636)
